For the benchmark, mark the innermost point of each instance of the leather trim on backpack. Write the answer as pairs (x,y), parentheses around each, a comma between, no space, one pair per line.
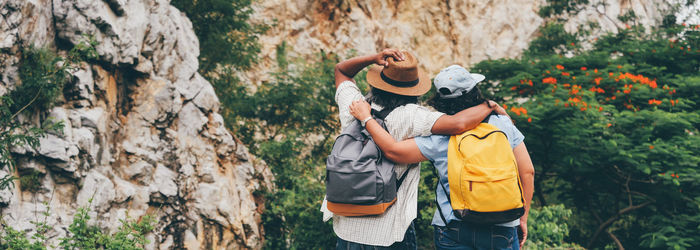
(358,210)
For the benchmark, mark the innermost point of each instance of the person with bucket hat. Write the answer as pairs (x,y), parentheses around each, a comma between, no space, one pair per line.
(456,91)
(396,82)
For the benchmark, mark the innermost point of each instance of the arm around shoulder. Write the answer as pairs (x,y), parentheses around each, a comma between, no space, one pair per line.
(464,120)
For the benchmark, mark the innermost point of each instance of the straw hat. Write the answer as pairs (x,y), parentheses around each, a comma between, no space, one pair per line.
(400,77)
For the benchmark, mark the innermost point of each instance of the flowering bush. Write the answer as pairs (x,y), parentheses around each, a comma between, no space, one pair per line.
(613,133)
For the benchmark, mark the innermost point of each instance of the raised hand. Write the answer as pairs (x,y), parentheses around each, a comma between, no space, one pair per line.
(381,57)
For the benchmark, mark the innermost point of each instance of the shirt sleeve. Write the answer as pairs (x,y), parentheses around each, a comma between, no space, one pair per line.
(515,137)
(345,94)
(428,147)
(422,119)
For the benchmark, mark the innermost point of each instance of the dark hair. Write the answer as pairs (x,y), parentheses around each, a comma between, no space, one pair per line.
(452,106)
(389,100)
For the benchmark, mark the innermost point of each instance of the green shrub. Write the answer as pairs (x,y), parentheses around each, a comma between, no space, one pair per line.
(226,37)
(289,123)
(43,74)
(30,180)
(131,234)
(548,227)
(613,133)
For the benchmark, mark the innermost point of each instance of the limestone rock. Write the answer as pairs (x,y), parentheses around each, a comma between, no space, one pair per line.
(164,181)
(97,191)
(440,33)
(141,130)
(53,147)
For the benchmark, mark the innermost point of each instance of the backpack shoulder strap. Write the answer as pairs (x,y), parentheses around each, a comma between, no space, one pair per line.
(383,113)
(400,180)
(442,216)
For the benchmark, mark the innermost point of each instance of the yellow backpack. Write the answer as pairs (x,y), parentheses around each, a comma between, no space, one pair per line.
(483,175)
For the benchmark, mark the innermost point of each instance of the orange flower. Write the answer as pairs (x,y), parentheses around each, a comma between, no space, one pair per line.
(613,97)
(583,108)
(573,77)
(505,106)
(600,108)
(548,71)
(515,110)
(597,90)
(619,66)
(514,87)
(627,26)
(609,124)
(597,80)
(611,74)
(595,71)
(565,74)
(651,146)
(584,68)
(560,67)
(529,119)
(655,102)
(574,89)
(652,84)
(550,80)
(573,44)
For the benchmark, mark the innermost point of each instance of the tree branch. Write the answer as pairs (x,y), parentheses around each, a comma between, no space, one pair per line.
(614,218)
(27,105)
(617,241)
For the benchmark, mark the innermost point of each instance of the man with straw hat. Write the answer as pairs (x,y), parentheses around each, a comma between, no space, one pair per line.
(396,83)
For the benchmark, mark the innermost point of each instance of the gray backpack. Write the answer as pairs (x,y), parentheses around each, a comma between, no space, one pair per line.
(359,180)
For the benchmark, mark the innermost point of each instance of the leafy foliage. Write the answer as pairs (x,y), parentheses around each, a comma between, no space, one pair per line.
(559,7)
(30,181)
(613,133)
(131,234)
(225,35)
(289,123)
(553,39)
(43,74)
(548,227)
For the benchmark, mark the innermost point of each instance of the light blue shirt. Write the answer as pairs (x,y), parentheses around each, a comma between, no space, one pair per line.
(434,148)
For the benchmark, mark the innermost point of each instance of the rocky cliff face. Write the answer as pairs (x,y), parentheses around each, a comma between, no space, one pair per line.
(142,134)
(439,32)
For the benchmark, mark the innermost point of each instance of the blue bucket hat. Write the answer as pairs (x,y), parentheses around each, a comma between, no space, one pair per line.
(455,80)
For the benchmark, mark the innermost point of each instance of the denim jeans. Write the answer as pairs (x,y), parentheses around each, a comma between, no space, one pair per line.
(408,243)
(469,237)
